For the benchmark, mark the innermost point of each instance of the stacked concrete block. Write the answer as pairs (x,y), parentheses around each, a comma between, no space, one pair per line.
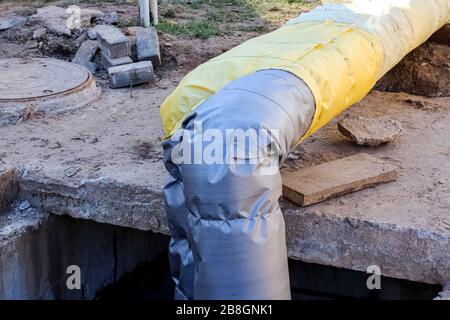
(147,45)
(131,74)
(112,42)
(108,63)
(116,50)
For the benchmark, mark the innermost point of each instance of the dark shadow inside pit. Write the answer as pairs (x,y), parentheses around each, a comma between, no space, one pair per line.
(151,281)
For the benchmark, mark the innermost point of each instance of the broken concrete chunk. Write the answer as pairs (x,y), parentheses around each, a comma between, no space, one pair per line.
(311,185)
(108,63)
(85,54)
(109,18)
(112,42)
(444,295)
(92,34)
(39,33)
(370,132)
(147,45)
(9,188)
(55,19)
(11,22)
(131,74)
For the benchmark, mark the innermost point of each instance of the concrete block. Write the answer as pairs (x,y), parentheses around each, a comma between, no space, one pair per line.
(108,62)
(327,180)
(9,188)
(131,74)
(112,42)
(85,54)
(147,45)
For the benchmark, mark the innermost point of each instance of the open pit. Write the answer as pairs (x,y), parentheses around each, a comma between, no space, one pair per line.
(81,174)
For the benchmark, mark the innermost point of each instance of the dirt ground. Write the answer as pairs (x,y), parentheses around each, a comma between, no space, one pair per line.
(122,129)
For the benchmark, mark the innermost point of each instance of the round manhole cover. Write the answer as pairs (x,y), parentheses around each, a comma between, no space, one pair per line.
(38,78)
(29,86)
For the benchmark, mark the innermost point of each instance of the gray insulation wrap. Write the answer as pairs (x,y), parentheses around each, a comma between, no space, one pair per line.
(228,233)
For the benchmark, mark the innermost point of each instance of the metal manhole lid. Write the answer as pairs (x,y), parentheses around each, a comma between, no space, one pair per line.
(24,79)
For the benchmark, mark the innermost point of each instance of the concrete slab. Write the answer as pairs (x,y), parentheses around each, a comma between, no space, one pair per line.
(108,156)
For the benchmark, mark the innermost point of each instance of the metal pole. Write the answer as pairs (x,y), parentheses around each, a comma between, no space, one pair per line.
(154,11)
(144,11)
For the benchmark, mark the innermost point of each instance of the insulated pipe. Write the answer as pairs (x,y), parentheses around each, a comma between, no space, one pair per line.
(227,228)
(228,236)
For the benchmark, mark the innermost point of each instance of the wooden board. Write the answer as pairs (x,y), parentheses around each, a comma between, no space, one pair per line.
(311,185)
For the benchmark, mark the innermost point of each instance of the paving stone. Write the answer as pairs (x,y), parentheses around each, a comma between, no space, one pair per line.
(108,63)
(131,74)
(85,54)
(112,42)
(147,45)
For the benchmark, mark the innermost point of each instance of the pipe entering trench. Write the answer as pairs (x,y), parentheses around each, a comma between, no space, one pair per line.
(223,187)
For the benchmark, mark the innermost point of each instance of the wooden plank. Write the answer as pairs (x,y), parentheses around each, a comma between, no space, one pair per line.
(311,185)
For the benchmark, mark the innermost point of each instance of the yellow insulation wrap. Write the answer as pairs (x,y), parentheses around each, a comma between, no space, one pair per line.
(339,63)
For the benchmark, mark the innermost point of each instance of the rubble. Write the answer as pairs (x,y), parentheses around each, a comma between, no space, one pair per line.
(109,18)
(55,19)
(92,34)
(131,74)
(39,33)
(11,22)
(369,132)
(85,54)
(147,45)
